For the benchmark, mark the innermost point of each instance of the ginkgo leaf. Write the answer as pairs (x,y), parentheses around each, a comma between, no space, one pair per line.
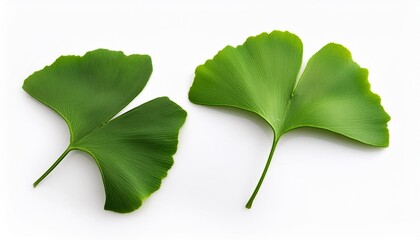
(261,76)
(133,151)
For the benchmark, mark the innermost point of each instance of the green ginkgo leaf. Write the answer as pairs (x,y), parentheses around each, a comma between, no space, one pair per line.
(133,151)
(261,76)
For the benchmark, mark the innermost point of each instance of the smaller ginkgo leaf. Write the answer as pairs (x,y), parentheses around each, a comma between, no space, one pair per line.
(133,151)
(261,76)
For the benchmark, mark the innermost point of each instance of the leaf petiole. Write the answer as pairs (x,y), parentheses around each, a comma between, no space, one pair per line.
(52,166)
(267,165)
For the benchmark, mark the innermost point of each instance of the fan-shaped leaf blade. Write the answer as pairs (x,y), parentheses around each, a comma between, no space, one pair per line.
(260,77)
(133,151)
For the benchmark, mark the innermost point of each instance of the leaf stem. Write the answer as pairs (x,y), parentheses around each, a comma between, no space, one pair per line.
(267,165)
(52,166)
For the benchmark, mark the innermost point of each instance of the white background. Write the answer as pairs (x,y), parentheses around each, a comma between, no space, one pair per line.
(319,186)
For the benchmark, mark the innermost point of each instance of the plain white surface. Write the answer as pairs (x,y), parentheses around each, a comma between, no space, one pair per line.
(319,186)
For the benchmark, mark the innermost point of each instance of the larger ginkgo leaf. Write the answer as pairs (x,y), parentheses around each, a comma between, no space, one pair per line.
(133,151)
(261,76)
